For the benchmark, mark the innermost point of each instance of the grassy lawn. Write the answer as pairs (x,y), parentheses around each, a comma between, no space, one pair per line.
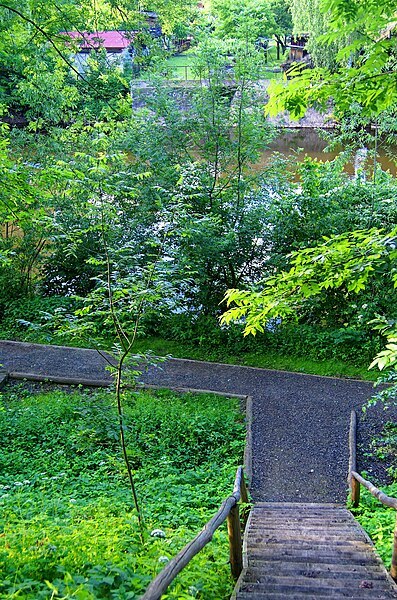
(181,66)
(68,525)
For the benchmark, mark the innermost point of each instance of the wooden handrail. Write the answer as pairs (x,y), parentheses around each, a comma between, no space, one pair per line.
(355,480)
(229,510)
(377,493)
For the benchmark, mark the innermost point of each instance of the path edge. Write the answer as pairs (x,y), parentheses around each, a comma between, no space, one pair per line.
(192,360)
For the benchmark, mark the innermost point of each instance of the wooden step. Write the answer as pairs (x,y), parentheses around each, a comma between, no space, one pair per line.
(294,550)
(314,595)
(325,571)
(299,589)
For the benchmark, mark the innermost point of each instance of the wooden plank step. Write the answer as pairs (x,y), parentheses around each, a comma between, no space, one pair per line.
(360,593)
(285,527)
(301,535)
(312,596)
(274,565)
(268,516)
(332,557)
(302,581)
(268,519)
(295,516)
(342,571)
(301,505)
(307,540)
(308,551)
(296,548)
(307,543)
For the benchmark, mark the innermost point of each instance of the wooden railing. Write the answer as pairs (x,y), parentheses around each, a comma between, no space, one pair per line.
(229,510)
(355,480)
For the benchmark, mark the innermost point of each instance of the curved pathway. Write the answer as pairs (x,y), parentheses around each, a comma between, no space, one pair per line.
(299,426)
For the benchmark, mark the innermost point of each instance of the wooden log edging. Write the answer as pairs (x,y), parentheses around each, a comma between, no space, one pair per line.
(62,380)
(160,584)
(3,378)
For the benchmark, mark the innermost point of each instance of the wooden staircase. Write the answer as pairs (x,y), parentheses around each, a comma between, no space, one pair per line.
(310,551)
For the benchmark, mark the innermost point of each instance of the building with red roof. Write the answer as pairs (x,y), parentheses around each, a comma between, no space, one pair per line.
(112,41)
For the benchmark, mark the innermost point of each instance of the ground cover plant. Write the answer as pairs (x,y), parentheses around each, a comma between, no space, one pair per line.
(377,519)
(68,526)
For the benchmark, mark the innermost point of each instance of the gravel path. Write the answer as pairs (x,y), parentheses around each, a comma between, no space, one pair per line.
(299,427)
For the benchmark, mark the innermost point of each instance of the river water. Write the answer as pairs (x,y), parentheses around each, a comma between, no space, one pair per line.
(312,144)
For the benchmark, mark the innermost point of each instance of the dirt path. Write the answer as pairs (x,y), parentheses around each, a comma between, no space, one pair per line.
(300,422)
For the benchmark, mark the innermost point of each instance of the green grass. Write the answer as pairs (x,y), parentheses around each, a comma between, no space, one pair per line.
(181,66)
(68,528)
(268,360)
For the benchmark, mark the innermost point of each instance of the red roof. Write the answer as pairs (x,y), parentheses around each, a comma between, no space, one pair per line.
(110,40)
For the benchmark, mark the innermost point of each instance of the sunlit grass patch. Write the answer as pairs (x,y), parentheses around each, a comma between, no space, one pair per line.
(67,521)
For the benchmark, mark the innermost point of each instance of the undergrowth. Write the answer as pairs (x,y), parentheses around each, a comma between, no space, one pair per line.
(377,519)
(68,527)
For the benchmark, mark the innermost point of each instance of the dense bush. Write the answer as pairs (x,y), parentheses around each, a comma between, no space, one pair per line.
(34,319)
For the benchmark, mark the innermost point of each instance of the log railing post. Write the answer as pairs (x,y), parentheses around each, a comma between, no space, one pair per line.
(354,485)
(235,544)
(355,491)
(393,568)
(243,491)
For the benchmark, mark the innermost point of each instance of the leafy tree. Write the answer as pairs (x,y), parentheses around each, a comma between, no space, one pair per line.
(24,214)
(367,75)
(174,16)
(309,18)
(201,157)
(349,262)
(39,81)
(282,27)
(245,19)
(358,260)
(253,20)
